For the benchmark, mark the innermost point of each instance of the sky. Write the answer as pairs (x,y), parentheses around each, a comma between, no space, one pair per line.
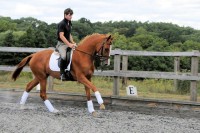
(181,12)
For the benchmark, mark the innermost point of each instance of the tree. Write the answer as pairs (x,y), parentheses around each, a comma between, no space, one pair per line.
(40,39)
(190,45)
(119,41)
(9,39)
(28,39)
(6,25)
(7,58)
(81,29)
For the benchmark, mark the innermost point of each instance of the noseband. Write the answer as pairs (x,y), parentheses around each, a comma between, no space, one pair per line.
(100,56)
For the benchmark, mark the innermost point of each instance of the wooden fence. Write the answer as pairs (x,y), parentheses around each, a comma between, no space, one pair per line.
(193,77)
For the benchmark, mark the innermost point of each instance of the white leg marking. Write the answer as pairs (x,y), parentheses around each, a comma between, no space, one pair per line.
(98,97)
(24,97)
(50,106)
(90,106)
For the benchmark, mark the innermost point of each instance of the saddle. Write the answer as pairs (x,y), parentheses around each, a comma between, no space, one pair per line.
(54,63)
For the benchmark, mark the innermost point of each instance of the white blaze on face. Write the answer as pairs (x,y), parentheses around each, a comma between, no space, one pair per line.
(108,61)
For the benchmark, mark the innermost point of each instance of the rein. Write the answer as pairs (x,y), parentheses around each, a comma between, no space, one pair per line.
(101,57)
(82,51)
(98,58)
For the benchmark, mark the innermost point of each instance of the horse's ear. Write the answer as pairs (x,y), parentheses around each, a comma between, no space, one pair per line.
(109,37)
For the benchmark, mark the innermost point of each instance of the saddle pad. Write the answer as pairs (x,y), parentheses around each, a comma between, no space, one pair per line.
(53,63)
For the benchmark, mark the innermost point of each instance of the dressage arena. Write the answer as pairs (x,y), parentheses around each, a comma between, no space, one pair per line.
(74,118)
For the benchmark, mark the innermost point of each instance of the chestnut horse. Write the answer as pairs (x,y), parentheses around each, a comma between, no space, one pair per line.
(82,68)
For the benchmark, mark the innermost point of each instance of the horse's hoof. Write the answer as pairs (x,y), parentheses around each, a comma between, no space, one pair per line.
(102,106)
(94,114)
(22,107)
(55,111)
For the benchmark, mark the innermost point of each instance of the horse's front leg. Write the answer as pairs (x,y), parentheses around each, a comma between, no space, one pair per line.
(89,85)
(100,100)
(89,102)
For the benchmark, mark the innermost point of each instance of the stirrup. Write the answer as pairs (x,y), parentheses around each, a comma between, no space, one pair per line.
(63,77)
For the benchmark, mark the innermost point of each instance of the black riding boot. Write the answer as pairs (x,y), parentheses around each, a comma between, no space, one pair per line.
(62,70)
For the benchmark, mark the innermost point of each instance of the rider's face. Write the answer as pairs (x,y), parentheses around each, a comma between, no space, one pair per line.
(68,16)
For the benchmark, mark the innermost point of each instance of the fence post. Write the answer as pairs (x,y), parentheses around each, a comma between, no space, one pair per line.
(194,72)
(176,70)
(124,68)
(116,78)
(50,83)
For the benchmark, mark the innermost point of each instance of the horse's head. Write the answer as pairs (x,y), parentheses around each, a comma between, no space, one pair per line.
(103,52)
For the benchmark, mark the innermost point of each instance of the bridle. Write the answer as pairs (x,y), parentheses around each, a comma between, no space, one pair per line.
(96,55)
(100,56)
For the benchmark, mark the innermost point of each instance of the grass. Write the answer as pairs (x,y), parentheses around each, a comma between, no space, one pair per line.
(147,88)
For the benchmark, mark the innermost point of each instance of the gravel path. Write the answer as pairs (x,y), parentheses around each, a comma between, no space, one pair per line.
(36,119)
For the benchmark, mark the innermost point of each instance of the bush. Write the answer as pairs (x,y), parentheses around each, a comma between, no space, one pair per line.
(183,87)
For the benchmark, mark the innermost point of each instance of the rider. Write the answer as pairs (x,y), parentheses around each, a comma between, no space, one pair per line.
(65,39)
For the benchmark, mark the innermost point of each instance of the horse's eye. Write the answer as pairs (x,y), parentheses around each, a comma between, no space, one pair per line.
(107,49)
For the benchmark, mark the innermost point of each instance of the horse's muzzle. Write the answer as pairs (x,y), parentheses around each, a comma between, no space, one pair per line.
(107,62)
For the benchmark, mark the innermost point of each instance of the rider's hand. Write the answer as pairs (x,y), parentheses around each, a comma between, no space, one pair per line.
(73,45)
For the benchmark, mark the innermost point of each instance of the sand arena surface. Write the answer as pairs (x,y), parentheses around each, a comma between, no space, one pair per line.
(76,119)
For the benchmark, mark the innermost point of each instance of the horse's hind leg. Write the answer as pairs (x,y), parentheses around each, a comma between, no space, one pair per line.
(43,95)
(29,87)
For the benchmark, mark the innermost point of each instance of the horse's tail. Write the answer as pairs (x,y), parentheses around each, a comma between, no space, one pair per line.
(20,66)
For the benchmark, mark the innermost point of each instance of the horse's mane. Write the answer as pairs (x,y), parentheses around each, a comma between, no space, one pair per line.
(89,36)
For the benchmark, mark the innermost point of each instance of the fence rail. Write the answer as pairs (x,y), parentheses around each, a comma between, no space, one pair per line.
(113,52)
(193,77)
